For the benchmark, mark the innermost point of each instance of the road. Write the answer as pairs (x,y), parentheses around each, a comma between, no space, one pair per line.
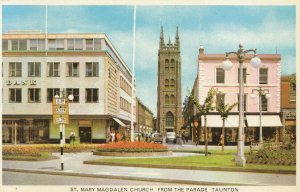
(17,178)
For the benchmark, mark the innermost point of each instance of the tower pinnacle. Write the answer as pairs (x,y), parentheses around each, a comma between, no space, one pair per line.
(161,41)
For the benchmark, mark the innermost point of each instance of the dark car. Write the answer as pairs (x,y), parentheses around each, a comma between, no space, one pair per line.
(157,138)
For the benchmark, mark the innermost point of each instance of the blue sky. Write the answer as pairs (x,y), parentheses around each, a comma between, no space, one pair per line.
(218,28)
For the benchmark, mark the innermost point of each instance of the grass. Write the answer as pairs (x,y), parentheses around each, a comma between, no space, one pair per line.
(44,156)
(197,161)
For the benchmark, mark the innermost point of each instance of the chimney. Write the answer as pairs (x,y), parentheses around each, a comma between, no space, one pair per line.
(201,50)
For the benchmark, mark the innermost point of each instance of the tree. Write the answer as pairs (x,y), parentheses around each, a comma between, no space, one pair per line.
(185,110)
(204,109)
(224,110)
(293,82)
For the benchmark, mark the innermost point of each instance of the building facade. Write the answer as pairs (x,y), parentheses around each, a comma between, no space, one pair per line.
(288,107)
(212,75)
(144,123)
(169,103)
(38,66)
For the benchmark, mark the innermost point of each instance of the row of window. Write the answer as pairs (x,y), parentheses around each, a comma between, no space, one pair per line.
(169,65)
(53,44)
(170,83)
(125,86)
(34,95)
(169,100)
(53,69)
(264,101)
(125,105)
(263,75)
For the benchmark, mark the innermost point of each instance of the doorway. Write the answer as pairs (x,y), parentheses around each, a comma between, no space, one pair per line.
(85,134)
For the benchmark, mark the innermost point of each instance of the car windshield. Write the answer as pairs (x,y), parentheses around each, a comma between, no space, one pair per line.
(170,134)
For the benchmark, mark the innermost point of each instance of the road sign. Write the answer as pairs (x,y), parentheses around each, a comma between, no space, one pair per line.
(60,101)
(60,110)
(58,119)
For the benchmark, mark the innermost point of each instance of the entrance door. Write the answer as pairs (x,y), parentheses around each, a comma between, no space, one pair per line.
(85,134)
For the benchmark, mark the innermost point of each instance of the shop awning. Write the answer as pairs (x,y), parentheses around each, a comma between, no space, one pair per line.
(266,120)
(215,121)
(119,122)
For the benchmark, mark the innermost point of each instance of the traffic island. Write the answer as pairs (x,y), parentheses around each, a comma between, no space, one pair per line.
(133,154)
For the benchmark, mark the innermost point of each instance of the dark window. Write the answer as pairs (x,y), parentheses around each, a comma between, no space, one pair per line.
(34,69)
(91,69)
(15,69)
(172,84)
(73,69)
(169,120)
(51,92)
(264,103)
(75,93)
(167,65)
(263,76)
(172,66)
(53,69)
(91,95)
(15,95)
(34,95)
(220,75)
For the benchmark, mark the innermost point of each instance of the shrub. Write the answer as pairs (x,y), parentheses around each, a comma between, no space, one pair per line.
(20,151)
(125,146)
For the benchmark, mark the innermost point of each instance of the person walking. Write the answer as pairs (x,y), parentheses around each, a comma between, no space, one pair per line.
(221,140)
(112,136)
(72,137)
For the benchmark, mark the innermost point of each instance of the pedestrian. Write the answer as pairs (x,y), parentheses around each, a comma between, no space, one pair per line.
(72,137)
(221,140)
(183,137)
(112,136)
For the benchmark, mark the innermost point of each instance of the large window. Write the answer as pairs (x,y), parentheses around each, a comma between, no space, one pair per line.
(18,44)
(34,95)
(91,95)
(75,93)
(264,103)
(73,69)
(91,69)
(220,75)
(56,44)
(15,69)
(169,119)
(263,76)
(172,65)
(4,44)
(51,92)
(53,69)
(167,65)
(34,69)
(244,75)
(172,84)
(37,44)
(245,102)
(15,95)
(219,98)
(75,44)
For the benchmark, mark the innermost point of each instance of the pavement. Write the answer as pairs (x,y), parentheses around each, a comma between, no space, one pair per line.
(73,164)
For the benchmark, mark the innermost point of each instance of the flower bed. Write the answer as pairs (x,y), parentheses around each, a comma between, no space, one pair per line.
(20,151)
(135,147)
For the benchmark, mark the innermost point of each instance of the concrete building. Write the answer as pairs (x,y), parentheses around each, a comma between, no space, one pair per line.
(288,107)
(36,66)
(144,120)
(212,75)
(169,104)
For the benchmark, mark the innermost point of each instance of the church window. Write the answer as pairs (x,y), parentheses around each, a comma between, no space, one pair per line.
(169,119)
(172,99)
(172,84)
(166,65)
(167,101)
(172,66)
(167,83)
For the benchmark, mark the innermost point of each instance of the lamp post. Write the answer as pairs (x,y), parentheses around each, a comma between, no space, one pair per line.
(16,124)
(240,159)
(261,92)
(61,107)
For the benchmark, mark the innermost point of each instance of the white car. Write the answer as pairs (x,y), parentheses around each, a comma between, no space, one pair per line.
(171,137)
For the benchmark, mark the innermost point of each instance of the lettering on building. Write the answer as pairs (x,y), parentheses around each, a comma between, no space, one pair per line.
(21,82)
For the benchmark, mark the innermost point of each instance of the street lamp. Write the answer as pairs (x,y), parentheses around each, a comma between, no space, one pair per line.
(240,159)
(261,92)
(62,124)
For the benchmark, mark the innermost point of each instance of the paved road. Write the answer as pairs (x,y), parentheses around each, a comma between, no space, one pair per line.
(73,164)
(14,178)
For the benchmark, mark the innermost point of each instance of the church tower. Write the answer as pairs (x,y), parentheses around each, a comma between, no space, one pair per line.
(169,105)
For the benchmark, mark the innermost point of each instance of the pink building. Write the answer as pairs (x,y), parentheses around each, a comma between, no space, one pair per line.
(211,74)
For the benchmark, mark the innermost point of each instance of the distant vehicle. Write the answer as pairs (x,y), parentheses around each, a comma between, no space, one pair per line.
(157,138)
(171,137)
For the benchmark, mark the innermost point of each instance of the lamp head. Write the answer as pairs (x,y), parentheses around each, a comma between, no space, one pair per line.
(268,96)
(227,64)
(255,61)
(71,97)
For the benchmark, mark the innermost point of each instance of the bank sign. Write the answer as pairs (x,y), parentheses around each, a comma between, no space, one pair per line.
(60,110)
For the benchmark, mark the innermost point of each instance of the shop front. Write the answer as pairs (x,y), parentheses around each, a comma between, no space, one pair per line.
(289,123)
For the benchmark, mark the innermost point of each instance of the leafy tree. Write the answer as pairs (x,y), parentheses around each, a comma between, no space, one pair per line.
(204,109)
(293,82)
(224,110)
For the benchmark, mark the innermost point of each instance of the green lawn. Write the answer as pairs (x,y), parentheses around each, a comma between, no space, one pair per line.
(44,156)
(198,161)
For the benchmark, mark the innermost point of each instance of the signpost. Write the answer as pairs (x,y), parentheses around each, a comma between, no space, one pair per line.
(60,109)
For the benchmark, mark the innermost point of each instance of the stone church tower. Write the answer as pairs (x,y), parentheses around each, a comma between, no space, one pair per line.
(169,104)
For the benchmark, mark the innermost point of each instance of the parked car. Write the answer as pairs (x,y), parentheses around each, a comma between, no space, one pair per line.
(157,138)
(171,137)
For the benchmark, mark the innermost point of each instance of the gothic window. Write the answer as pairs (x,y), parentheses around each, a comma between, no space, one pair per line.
(169,119)
(167,101)
(167,65)
(172,99)
(172,84)
(172,66)
(167,83)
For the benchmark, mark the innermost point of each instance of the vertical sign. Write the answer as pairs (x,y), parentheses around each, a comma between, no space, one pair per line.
(60,109)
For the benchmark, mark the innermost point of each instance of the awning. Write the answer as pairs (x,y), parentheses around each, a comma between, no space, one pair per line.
(266,120)
(120,122)
(215,121)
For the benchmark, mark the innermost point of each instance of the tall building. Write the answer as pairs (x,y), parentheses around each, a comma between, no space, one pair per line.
(38,66)
(169,104)
(144,118)
(212,75)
